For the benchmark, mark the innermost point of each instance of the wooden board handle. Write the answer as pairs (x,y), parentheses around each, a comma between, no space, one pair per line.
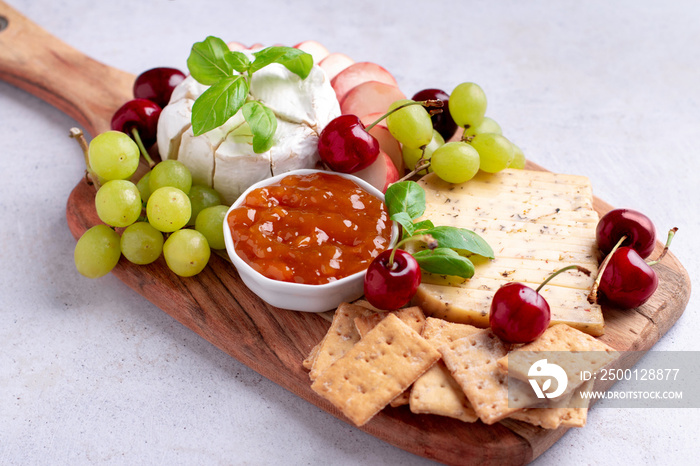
(34,60)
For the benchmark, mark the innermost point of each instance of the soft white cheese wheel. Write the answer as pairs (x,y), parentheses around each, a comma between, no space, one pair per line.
(175,119)
(197,152)
(223,158)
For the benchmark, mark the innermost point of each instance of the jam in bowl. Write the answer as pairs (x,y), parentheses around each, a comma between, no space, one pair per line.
(303,240)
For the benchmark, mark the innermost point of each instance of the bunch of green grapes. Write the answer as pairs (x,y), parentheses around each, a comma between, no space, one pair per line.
(481,147)
(162,213)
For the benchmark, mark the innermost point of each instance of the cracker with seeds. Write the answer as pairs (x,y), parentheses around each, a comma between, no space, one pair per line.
(436,391)
(472,362)
(341,336)
(566,411)
(411,316)
(376,370)
(309,361)
(571,349)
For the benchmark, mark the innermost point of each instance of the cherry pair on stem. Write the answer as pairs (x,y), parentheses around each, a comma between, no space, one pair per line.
(139,117)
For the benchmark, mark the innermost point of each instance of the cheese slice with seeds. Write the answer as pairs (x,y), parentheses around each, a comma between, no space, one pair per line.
(536,222)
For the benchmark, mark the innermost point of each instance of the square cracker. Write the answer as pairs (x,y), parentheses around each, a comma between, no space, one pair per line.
(571,349)
(376,370)
(411,316)
(567,411)
(341,336)
(472,362)
(436,391)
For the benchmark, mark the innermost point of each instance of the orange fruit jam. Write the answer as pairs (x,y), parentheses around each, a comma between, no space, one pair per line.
(313,229)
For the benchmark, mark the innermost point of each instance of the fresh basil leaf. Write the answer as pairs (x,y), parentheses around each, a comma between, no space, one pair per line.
(444,261)
(238,61)
(460,239)
(207,62)
(423,225)
(218,103)
(295,60)
(405,196)
(262,123)
(406,222)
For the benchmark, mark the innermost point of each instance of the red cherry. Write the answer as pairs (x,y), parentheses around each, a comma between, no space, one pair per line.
(442,122)
(627,280)
(157,84)
(139,114)
(345,146)
(519,314)
(391,285)
(637,227)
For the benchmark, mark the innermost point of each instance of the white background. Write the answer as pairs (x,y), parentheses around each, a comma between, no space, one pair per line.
(91,372)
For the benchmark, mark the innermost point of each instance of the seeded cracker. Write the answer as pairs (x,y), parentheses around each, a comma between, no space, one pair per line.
(411,316)
(341,336)
(472,362)
(436,391)
(567,411)
(571,349)
(376,370)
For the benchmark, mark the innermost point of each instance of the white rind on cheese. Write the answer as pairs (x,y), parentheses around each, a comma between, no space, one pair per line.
(295,148)
(302,107)
(189,88)
(536,223)
(174,120)
(197,152)
(237,165)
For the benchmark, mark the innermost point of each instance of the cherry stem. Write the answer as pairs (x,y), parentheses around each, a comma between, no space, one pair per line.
(564,269)
(144,152)
(77,134)
(593,295)
(433,106)
(671,234)
(432,244)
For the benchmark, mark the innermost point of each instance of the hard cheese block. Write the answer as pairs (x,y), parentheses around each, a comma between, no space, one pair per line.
(536,222)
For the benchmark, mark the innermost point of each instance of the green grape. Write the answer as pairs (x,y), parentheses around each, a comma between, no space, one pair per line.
(170,173)
(97,251)
(168,209)
(210,223)
(144,188)
(412,156)
(411,125)
(141,243)
(113,155)
(118,203)
(186,252)
(455,162)
(518,158)
(494,150)
(202,197)
(467,104)
(487,125)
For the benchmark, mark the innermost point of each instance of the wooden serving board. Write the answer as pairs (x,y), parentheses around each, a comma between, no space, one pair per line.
(219,307)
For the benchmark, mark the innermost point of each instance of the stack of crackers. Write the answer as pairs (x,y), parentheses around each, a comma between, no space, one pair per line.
(369,360)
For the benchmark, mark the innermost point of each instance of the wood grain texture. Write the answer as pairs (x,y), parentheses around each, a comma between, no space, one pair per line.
(219,307)
(85,89)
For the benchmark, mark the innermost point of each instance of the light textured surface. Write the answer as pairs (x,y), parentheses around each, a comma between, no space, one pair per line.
(91,373)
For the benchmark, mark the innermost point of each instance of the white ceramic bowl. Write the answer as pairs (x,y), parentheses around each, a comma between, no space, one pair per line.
(299,296)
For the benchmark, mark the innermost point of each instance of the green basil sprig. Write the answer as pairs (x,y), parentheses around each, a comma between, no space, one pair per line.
(229,74)
(405,201)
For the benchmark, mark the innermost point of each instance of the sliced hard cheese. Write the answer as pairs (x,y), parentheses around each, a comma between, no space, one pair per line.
(528,247)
